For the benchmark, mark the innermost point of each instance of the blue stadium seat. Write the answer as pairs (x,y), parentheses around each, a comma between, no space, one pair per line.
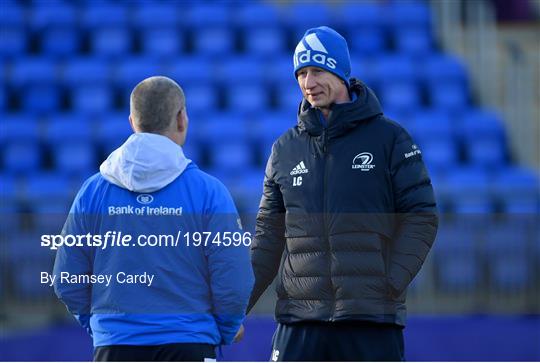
(91,99)
(83,70)
(361,15)
(440,154)
(202,16)
(131,71)
(25,248)
(487,152)
(50,216)
(60,41)
(8,192)
(459,273)
(268,128)
(507,248)
(399,116)
(247,192)
(248,97)
(409,14)
(430,124)
(270,41)
(47,186)
(254,15)
(416,42)
(241,69)
(231,157)
(511,274)
(456,260)
(77,158)
(156,15)
(288,97)
(110,42)
(362,68)
(75,127)
(395,68)
(9,208)
(3,99)
(518,190)
(112,131)
(104,14)
(191,70)
(12,15)
(26,278)
(505,239)
(13,41)
(47,14)
(450,96)
(222,126)
(402,96)
(469,190)
(280,70)
(214,41)
(41,98)
(33,70)
(21,157)
(367,41)
(442,68)
(479,124)
(295,16)
(162,42)
(200,98)
(19,127)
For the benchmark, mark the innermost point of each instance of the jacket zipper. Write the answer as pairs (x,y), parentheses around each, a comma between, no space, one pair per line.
(325,221)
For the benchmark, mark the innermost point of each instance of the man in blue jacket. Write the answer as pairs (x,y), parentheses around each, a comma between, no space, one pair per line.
(346,219)
(163,270)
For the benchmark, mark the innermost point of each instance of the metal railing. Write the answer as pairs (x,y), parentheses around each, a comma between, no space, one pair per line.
(504,69)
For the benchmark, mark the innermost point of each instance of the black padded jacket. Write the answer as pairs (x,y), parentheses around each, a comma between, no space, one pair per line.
(347,216)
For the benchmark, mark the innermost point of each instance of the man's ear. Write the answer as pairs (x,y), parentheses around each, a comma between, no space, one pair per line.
(131,124)
(181,120)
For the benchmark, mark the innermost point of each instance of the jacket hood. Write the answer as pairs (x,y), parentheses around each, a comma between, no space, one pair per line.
(144,163)
(343,116)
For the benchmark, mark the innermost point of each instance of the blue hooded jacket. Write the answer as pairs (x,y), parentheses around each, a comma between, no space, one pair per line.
(200,286)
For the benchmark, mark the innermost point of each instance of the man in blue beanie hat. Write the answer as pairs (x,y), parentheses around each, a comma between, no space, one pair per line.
(346,220)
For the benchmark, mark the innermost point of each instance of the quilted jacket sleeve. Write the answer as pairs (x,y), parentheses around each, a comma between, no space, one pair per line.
(416,211)
(269,241)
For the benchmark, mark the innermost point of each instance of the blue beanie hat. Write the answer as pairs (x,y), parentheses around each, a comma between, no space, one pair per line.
(325,48)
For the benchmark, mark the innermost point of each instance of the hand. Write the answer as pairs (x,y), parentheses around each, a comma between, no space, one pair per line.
(239,335)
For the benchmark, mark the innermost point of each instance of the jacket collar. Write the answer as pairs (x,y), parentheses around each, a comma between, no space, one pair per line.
(343,116)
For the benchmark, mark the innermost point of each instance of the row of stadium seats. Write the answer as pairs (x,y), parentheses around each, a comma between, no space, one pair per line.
(511,250)
(193,14)
(476,137)
(117,42)
(430,71)
(99,99)
(460,190)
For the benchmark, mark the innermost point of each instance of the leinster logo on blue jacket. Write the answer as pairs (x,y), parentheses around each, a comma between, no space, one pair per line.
(363,161)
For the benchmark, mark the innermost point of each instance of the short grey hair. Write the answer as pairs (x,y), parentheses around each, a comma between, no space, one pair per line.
(155,104)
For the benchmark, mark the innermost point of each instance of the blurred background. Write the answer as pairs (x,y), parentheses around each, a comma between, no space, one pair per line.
(461,76)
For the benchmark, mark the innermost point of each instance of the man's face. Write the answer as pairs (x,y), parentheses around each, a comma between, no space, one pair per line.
(319,87)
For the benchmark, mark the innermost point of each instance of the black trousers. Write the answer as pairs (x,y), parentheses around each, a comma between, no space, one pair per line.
(339,341)
(179,352)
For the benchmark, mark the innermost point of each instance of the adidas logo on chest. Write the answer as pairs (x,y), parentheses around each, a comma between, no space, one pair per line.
(299,169)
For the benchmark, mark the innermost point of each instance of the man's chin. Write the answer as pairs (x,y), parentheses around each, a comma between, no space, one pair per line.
(318,104)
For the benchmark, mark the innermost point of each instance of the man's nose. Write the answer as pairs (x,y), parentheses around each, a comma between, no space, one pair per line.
(309,81)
